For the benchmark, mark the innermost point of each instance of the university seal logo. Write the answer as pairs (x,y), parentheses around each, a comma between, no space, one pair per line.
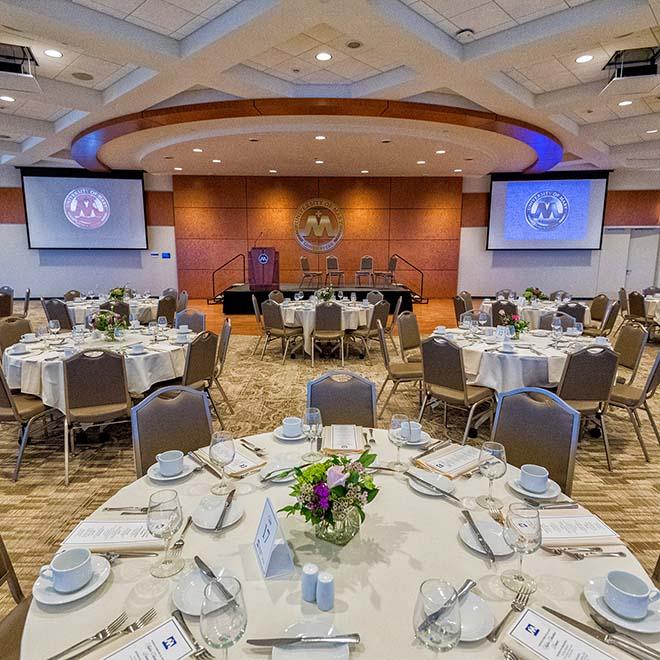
(86,208)
(318,225)
(546,210)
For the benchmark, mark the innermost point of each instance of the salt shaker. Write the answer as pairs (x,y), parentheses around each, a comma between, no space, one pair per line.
(325,592)
(309,577)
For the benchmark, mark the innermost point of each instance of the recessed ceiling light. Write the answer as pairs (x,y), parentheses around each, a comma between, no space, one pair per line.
(583,59)
(216,160)
(272,171)
(51,52)
(319,162)
(7,99)
(178,169)
(197,150)
(653,130)
(386,141)
(5,137)
(622,103)
(254,139)
(168,157)
(364,171)
(320,137)
(353,44)
(440,151)
(81,75)
(323,56)
(457,170)
(421,162)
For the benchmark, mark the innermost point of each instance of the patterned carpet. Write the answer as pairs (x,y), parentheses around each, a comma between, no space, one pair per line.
(38,511)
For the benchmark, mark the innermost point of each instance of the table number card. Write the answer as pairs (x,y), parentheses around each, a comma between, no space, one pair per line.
(450,461)
(343,439)
(166,642)
(270,546)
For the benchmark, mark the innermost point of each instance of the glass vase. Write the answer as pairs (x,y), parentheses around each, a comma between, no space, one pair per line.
(342,531)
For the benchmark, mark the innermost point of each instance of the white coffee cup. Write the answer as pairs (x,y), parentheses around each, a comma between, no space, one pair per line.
(440,329)
(183,328)
(601,341)
(292,427)
(19,348)
(170,463)
(29,336)
(411,432)
(70,570)
(628,595)
(534,478)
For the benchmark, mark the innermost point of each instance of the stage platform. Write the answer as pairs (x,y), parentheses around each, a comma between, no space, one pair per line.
(237,299)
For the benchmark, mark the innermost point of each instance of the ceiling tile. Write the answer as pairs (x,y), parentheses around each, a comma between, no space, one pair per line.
(116,8)
(271,57)
(525,8)
(558,81)
(147,25)
(324,78)
(323,33)
(482,18)
(194,6)
(310,56)
(303,68)
(450,8)
(164,14)
(190,27)
(353,69)
(298,44)
(219,8)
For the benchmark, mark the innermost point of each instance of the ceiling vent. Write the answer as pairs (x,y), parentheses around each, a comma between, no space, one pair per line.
(17,69)
(633,71)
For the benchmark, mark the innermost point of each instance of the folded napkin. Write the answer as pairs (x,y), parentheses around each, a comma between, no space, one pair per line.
(574,528)
(451,461)
(112,536)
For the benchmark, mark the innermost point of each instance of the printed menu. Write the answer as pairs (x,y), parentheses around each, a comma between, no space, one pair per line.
(166,642)
(343,439)
(107,534)
(452,461)
(575,527)
(244,461)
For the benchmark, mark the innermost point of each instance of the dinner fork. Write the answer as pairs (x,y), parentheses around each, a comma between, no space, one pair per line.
(178,544)
(97,637)
(508,653)
(496,514)
(145,619)
(518,605)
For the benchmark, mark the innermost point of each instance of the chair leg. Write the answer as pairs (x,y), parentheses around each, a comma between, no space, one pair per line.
(423,407)
(256,346)
(263,351)
(66,451)
(223,394)
(391,336)
(25,434)
(469,421)
(215,408)
(341,343)
(607,443)
(652,420)
(313,350)
(638,432)
(389,396)
(380,392)
(285,350)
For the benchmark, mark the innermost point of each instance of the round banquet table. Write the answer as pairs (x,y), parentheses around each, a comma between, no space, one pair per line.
(532,313)
(652,304)
(145,309)
(405,539)
(353,315)
(40,371)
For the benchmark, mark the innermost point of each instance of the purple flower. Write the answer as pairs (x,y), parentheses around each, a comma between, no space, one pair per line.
(336,476)
(321,490)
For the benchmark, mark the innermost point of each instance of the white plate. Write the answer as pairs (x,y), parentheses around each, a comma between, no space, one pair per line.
(424,439)
(593,592)
(43,591)
(208,511)
(490,340)
(36,340)
(477,618)
(131,352)
(492,533)
(539,333)
(189,589)
(271,466)
(181,342)
(183,332)
(285,438)
(188,466)
(500,349)
(552,491)
(435,479)
(322,652)
(12,351)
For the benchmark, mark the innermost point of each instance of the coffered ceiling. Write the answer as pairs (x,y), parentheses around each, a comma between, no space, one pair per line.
(519,61)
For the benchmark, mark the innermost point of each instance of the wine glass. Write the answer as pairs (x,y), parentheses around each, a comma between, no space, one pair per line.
(483,319)
(556,329)
(221,454)
(53,327)
(162,323)
(492,465)
(353,296)
(153,329)
(441,632)
(511,330)
(223,617)
(579,328)
(395,434)
(340,295)
(164,518)
(312,424)
(118,333)
(42,331)
(522,532)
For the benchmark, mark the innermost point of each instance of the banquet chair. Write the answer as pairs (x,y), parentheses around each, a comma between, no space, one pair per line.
(195,320)
(576,310)
(174,293)
(629,346)
(107,402)
(8,290)
(559,293)
(409,337)
(387,276)
(117,307)
(598,309)
(379,315)
(460,308)
(467,297)
(12,328)
(545,321)
(467,316)
(656,573)
(274,328)
(389,329)
(70,295)
(167,308)
(536,426)
(260,325)
(651,290)
(332,270)
(505,293)
(637,308)
(366,269)
(56,310)
(182,301)
(220,359)
(632,399)
(397,372)
(12,625)
(607,324)
(328,327)
(343,397)
(276,296)
(308,274)
(500,309)
(445,381)
(586,384)
(6,304)
(374,297)
(172,417)
(200,365)
(623,302)
(26,304)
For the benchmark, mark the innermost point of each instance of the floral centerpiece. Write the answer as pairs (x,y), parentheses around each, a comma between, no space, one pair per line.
(117,293)
(106,321)
(332,495)
(534,292)
(514,320)
(326,293)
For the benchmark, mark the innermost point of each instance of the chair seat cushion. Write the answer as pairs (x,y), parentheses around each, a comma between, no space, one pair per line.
(328,334)
(285,332)
(28,406)
(100,413)
(625,395)
(584,407)
(365,332)
(475,393)
(11,630)
(413,357)
(405,370)
(592,332)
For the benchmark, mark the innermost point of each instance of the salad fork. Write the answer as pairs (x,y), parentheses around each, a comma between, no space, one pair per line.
(518,605)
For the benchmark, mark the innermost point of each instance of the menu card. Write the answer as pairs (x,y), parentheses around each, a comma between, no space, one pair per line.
(166,642)
(105,535)
(553,642)
(575,527)
(343,439)
(244,461)
(451,461)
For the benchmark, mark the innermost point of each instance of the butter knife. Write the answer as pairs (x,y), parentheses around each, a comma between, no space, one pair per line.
(225,508)
(482,541)
(431,448)
(432,487)
(352,638)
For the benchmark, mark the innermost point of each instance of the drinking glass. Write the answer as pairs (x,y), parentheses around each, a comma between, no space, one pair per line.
(444,632)
(223,617)
(312,424)
(164,520)
(221,454)
(340,295)
(483,319)
(353,296)
(556,330)
(511,330)
(162,323)
(42,331)
(396,438)
(153,329)
(492,465)
(579,328)
(522,531)
(53,327)
(147,293)
(119,333)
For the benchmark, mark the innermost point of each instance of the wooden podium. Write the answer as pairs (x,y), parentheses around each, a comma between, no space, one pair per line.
(263,268)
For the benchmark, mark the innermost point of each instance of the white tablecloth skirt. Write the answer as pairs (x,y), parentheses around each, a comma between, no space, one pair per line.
(652,308)
(533,314)
(144,309)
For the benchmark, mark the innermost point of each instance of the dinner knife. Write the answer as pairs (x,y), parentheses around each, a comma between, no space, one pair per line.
(225,508)
(627,644)
(482,541)
(208,572)
(551,505)
(439,444)
(461,593)
(426,484)
(352,638)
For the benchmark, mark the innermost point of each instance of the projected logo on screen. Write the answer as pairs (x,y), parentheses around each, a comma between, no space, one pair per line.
(546,210)
(86,208)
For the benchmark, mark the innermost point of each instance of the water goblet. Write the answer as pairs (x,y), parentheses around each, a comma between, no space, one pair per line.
(483,319)
(522,532)
(396,437)
(579,328)
(511,330)
(162,324)
(118,333)
(223,617)
(353,296)
(53,327)
(221,454)
(492,465)
(312,424)
(340,295)
(153,329)
(164,518)
(443,632)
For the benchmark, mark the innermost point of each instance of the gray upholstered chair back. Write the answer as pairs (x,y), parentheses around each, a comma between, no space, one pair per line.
(636,306)
(653,379)
(71,294)
(56,310)
(200,360)
(460,307)
(598,307)
(223,347)
(374,297)
(195,320)
(276,296)
(442,363)
(26,303)
(391,264)
(467,297)
(182,301)
(501,307)
(167,308)
(623,300)
(257,313)
(117,307)
(272,315)
(328,316)
(380,313)
(331,263)
(304,264)
(366,263)
(610,318)
(12,328)
(8,411)
(408,330)
(395,314)
(343,397)
(588,375)
(8,575)
(567,321)
(630,344)
(170,291)
(573,309)
(6,304)
(383,345)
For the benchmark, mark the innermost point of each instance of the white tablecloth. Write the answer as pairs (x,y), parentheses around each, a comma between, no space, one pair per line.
(39,374)
(652,305)
(532,314)
(302,314)
(145,308)
(405,539)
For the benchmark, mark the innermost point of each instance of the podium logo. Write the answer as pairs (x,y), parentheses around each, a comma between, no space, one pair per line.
(318,225)
(546,210)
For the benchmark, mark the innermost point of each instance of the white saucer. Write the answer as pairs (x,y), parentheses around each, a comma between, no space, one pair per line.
(188,466)
(593,592)
(181,342)
(424,439)
(36,340)
(550,493)
(539,333)
(131,352)
(285,438)
(183,332)
(271,466)
(492,533)
(12,351)
(490,340)
(500,349)
(208,511)
(311,652)
(189,589)
(44,593)
(433,478)
(477,618)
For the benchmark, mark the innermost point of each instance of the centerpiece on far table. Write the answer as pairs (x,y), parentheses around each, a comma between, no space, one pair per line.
(532,292)
(106,322)
(514,320)
(117,293)
(326,294)
(332,495)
